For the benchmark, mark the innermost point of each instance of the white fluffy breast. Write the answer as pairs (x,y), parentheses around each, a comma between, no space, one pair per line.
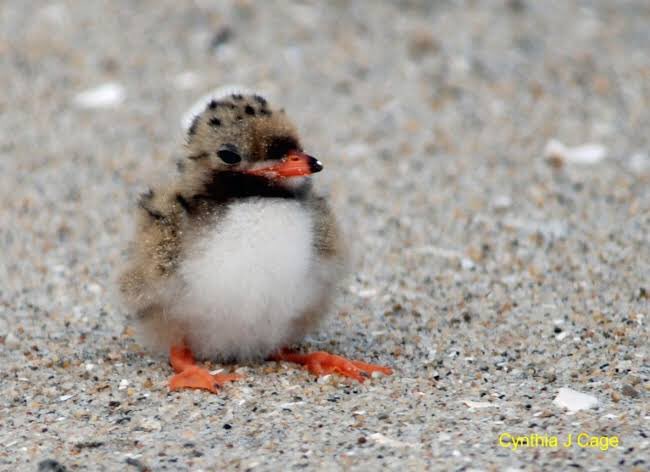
(248,279)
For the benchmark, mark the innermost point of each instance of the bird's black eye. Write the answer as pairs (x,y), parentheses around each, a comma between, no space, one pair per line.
(228,154)
(229,157)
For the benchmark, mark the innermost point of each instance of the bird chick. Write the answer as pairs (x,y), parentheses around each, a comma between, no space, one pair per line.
(238,257)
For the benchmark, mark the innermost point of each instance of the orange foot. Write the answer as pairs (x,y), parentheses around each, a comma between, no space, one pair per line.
(190,375)
(323,363)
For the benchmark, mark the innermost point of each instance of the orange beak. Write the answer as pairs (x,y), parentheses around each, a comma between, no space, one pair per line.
(293,164)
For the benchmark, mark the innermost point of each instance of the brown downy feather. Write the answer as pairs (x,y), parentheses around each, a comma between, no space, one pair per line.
(170,218)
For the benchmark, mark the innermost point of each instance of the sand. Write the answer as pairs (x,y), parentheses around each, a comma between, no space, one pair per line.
(490,270)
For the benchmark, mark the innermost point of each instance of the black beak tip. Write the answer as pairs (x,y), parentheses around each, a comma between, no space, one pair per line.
(315,165)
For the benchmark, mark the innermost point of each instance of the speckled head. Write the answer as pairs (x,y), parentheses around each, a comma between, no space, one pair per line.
(242,133)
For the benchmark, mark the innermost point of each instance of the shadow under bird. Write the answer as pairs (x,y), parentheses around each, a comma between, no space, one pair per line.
(238,257)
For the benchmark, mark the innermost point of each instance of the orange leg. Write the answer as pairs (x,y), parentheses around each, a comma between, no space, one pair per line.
(323,363)
(190,375)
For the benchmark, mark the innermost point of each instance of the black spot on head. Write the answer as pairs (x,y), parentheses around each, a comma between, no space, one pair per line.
(146,196)
(237,96)
(266,112)
(229,154)
(196,157)
(215,122)
(260,100)
(222,36)
(185,205)
(50,465)
(239,118)
(280,146)
(192,129)
(144,204)
(249,110)
(180,166)
(213,104)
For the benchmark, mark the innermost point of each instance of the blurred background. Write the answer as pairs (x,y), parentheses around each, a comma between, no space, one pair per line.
(489,159)
(383,92)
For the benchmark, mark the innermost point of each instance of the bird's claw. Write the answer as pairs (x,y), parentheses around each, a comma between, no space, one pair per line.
(323,363)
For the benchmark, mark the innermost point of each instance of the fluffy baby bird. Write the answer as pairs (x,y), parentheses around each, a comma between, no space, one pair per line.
(238,257)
